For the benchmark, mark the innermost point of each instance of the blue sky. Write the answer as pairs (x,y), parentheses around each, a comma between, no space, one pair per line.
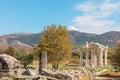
(92,16)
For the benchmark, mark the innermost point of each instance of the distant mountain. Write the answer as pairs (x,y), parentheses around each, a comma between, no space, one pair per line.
(78,38)
(31,39)
(108,38)
(12,39)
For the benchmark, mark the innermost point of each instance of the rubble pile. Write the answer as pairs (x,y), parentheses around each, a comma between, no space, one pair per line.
(8,62)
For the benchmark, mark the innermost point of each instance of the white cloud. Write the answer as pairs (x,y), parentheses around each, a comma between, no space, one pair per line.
(87,7)
(110,6)
(92,21)
(72,28)
(96,18)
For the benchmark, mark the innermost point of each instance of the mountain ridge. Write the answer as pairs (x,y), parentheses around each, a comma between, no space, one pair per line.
(109,38)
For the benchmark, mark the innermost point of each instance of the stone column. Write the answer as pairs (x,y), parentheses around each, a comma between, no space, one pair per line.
(95,59)
(81,58)
(42,61)
(92,59)
(86,57)
(106,49)
(101,56)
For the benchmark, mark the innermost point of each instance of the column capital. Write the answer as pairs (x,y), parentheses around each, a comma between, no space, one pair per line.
(106,47)
(87,45)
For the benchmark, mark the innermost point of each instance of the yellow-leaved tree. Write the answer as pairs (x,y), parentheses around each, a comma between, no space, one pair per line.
(55,40)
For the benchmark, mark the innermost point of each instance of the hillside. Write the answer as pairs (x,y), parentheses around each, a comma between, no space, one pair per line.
(78,38)
(108,38)
(31,40)
(12,39)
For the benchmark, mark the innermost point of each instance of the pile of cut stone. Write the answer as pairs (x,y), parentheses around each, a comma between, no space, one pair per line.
(16,72)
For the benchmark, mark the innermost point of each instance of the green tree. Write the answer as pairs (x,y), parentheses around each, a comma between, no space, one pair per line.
(25,55)
(55,40)
(10,50)
(25,59)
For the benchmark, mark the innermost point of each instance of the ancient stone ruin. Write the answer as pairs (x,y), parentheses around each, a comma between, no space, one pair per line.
(8,62)
(42,61)
(93,53)
(90,53)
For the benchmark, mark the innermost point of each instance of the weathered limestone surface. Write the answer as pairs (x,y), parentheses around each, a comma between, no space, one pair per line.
(63,75)
(8,62)
(81,58)
(42,61)
(101,57)
(106,50)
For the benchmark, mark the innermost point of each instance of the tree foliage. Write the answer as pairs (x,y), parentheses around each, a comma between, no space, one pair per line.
(115,57)
(55,40)
(26,56)
(2,48)
(10,50)
(25,59)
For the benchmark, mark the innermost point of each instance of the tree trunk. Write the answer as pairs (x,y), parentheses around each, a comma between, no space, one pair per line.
(25,65)
(55,66)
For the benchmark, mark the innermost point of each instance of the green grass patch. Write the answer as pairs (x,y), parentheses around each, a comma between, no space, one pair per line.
(98,68)
(105,67)
(64,66)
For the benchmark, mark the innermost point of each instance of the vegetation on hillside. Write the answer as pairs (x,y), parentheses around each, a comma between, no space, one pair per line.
(78,38)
